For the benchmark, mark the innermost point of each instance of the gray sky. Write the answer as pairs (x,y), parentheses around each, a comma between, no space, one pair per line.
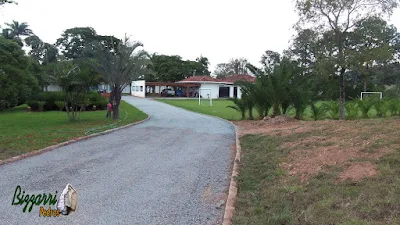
(217,29)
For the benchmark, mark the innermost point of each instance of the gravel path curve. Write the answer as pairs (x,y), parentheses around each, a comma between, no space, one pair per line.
(172,169)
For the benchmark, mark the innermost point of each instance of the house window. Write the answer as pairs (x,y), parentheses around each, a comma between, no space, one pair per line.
(141,88)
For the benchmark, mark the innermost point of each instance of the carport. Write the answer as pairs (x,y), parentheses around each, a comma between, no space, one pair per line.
(184,87)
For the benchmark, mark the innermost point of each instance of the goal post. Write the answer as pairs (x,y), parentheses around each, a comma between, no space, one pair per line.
(209,94)
(367,92)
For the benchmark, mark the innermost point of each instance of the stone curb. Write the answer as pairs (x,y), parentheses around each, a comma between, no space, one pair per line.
(230,202)
(50,148)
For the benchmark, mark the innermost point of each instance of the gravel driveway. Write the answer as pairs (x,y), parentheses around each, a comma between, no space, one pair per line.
(172,169)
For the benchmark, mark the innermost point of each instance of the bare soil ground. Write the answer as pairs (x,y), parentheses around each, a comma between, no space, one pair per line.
(330,143)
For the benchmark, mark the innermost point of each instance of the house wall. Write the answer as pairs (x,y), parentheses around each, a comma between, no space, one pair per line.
(127,89)
(138,88)
(52,87)
(214,90)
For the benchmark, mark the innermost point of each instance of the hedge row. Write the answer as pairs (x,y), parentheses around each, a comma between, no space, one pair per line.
(52,101)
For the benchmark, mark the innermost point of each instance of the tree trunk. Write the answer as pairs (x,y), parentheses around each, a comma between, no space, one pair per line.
(116,99)
(342,115)
(365,78)
(277,110)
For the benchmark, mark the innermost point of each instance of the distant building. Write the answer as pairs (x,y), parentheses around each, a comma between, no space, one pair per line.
(205,86)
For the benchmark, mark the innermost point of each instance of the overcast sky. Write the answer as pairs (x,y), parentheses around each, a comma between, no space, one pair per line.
(217,29)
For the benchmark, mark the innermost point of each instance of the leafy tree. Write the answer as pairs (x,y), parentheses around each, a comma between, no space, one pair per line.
(118,68)
(75,79)
(235,66)
(269,59)
(371,46)
(337,18)
(173,68)
(43,53)
(16,83)
(76,42)
(203,66)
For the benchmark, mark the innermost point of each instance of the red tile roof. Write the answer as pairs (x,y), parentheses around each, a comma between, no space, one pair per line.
(237,77)
(229,79)
(199,78)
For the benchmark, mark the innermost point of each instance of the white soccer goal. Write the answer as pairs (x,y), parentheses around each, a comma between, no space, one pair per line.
(362,94)
(208,94)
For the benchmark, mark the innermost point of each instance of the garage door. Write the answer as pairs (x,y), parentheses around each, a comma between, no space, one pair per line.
(224,92)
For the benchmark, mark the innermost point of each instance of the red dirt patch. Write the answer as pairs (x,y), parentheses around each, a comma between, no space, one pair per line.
(330,143)
(358,171)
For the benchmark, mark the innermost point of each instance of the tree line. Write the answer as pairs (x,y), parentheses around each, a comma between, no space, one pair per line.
(79,60)
(341,49)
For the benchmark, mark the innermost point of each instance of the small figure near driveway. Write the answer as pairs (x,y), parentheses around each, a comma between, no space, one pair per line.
(109,110)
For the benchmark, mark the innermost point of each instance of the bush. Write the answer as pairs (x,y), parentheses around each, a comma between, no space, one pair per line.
(394,106)
(60,105)
(332,108)
(33,104)
(317,112)
(100,105)
(381,107)
(41,104)
(352,109)
(365,106)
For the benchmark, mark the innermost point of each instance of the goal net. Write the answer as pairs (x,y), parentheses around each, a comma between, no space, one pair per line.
(370,94)
(206,94)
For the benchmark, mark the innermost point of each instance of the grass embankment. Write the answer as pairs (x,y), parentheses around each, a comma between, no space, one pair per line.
(22,131)
(324,172)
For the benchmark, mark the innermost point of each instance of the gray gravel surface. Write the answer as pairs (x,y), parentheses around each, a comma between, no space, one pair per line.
(172,169)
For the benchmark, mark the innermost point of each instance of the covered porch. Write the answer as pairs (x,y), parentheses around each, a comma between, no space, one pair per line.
(181,90)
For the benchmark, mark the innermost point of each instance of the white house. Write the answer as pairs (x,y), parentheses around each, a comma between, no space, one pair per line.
(205,86)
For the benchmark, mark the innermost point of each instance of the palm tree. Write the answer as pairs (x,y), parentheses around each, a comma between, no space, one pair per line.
(19,29)
(119,66)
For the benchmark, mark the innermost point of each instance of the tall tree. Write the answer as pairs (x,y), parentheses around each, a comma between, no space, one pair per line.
(203,66)
(75,42)
(339,18)
(16,83)
(234,66)
(371,46)
(118,68)
(44,53)
(19,29)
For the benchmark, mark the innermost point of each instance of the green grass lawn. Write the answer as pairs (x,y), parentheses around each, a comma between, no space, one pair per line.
(218,108)
(22,131)
(268,193)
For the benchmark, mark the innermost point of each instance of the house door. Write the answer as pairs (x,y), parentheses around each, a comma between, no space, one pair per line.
(235,92)
(224,92)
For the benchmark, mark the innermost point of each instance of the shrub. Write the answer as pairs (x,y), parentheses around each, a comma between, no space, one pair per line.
(352,109)
(100,105)
(393,107)
(381,107)
(365,106)
(240,106)
(332,109)
(41,104)
(33,104)
(317,112)
(60,105)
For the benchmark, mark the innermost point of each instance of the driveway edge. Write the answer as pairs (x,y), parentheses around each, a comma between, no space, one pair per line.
(50,148)
(232,194)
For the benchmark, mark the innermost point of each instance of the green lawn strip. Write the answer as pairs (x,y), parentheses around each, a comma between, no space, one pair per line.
(22,131)
(267,195)
(218,108)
